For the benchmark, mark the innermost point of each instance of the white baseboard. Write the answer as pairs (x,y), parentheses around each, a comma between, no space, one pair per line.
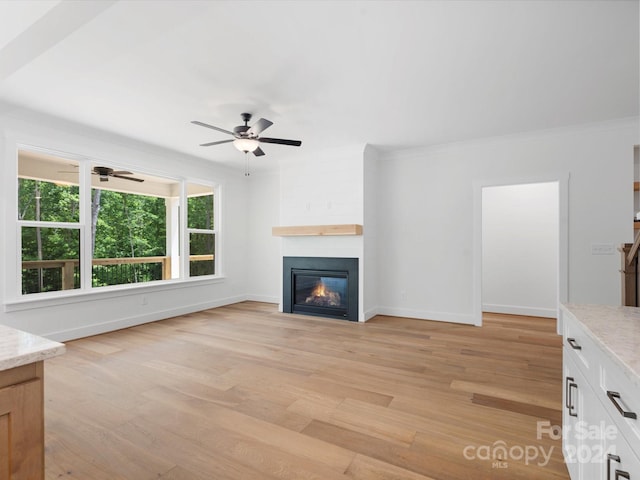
(520,310)
(263,298)
(369,314)
(97,328)
(427,315)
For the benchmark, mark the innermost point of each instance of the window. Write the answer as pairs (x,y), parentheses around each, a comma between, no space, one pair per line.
(48,214)
(124,228)
(201,230)
(129,239)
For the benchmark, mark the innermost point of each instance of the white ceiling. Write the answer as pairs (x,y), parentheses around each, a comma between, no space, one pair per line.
(393,74)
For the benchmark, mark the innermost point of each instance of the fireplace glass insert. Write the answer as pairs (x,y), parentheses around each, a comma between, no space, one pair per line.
(320,289)
(321,286)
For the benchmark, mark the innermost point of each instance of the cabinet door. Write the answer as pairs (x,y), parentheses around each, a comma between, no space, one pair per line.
(621,460)
(583,440)
(22,431)
(570,418)
(593,426)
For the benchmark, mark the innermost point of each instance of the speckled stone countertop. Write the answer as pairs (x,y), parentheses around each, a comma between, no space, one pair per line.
(20,348)
(617,330)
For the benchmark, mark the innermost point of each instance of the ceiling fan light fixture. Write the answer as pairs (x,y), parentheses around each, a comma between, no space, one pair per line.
(246,144)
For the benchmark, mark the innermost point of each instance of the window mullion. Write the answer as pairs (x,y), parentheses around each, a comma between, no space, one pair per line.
(44,224)
(184,232)
(86,257)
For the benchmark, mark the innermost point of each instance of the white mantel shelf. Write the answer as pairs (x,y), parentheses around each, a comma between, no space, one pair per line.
(317,230)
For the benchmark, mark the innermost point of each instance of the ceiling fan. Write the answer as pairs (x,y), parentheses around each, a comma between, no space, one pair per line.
(106,172)
(247,139)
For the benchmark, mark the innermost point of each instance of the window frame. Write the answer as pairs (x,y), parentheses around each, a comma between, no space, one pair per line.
(13,289)
(20,225)
(215,192)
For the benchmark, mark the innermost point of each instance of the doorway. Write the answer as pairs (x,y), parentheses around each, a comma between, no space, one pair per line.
(520,247)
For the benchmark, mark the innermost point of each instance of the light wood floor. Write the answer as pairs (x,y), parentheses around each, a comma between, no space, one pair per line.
(244,392)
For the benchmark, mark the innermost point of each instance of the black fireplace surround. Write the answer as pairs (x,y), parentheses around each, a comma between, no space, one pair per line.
(321,286)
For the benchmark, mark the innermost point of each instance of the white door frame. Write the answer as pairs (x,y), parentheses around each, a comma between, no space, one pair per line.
(563,234)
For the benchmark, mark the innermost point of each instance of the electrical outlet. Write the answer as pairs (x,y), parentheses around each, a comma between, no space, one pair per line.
(603,249)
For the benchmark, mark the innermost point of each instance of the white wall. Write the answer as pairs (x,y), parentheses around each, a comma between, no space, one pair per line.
(264,259)
(372,192)
(72,316)
(520,243)
(322,187)
(426,214)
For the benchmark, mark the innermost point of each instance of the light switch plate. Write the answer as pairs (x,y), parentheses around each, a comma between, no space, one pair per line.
(603,249)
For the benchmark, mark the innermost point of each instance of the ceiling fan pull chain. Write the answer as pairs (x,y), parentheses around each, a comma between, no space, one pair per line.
(246,164)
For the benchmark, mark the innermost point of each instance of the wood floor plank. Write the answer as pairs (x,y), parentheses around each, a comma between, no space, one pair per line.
(244,391)
(553,415)
(368,468)
(506,393)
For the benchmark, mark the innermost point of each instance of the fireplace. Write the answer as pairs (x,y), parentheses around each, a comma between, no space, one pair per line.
(321,286)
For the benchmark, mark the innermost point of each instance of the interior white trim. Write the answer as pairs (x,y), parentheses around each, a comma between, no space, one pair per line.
(520,310)
(52,299)
(600,126)
(97,328)
(563,234)
(427,315)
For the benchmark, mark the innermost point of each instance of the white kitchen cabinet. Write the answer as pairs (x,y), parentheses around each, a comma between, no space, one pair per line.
(601,429)
(583,439)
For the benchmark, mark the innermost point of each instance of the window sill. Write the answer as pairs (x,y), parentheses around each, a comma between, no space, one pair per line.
(43,300)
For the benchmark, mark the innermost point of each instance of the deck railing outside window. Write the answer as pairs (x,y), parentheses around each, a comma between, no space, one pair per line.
(64,274)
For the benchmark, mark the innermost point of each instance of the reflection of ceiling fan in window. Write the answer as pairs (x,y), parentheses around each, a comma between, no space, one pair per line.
(106,172)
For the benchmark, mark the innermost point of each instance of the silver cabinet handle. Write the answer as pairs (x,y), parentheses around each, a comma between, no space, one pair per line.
(569,384)
(615,458)
(614,396)
(567,399)
(574,344)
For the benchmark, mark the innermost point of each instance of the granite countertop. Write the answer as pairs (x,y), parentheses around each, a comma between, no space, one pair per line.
(20,348)
(615,328)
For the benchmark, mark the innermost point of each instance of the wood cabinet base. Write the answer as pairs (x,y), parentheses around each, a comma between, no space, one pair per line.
(22,423)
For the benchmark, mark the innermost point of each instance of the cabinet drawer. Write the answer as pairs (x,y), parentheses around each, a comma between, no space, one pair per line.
(620,461)
(580,346)
(621,399)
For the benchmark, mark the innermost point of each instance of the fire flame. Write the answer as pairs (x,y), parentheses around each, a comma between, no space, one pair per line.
(319,291)
(323,296)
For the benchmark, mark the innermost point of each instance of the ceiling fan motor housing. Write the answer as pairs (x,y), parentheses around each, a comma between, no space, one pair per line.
(241,130)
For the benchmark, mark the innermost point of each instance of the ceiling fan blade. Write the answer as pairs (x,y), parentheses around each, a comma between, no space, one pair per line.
(280,141)
(195,122)
(259,126)
(122,172)
(128,178)
(215,143)
(258,152)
